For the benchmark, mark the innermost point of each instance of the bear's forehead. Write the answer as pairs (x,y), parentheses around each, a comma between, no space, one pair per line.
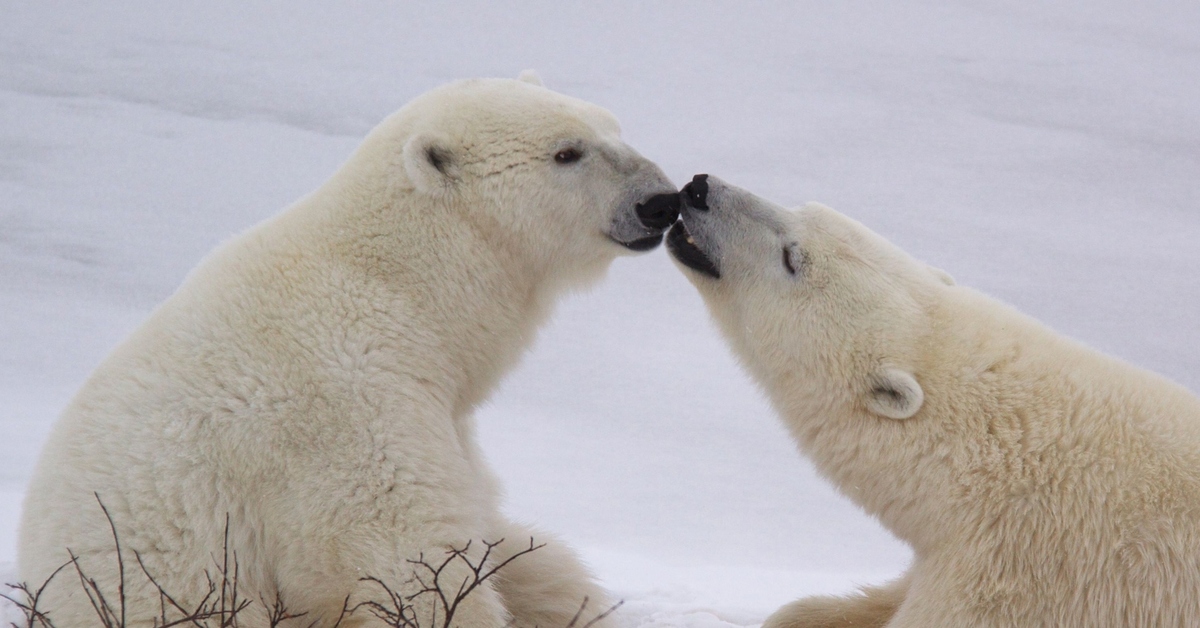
(851,239)
(501,106)
(546,120)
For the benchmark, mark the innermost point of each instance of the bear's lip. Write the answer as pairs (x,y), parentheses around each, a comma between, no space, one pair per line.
(683,247)
(641,245)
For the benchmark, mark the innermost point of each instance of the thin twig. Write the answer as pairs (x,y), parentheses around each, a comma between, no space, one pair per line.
(120,559)
(30,606)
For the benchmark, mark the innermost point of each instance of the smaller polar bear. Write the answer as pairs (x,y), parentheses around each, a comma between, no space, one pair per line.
(303,403)
(1038,482)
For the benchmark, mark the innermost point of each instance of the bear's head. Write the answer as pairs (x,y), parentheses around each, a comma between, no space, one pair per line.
(827,315)
(542,176)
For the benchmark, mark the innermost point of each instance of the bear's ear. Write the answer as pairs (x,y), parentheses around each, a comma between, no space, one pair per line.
(430,163)
(895,394)
(531,77)
(942,275)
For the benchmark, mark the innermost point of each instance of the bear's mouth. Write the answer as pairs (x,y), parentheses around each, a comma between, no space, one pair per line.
(641,245)
(681,245)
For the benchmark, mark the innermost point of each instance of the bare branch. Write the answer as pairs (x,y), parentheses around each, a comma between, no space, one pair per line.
(223,603)
(30,606)
(612,609)
(193,616)
(120,560)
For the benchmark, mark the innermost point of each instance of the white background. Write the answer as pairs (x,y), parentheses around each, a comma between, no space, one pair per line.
(1048,155)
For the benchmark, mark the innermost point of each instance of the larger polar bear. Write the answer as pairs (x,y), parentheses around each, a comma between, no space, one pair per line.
(1038,482)
(312,383)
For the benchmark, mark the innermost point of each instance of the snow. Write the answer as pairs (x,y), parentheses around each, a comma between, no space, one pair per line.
(1048,155)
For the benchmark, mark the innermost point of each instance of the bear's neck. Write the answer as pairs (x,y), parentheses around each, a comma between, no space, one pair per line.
(1013,414)
(445,306)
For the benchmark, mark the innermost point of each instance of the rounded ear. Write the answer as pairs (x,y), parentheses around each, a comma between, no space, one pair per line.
(531,77)
(894,394)
(942,275)
(430,163)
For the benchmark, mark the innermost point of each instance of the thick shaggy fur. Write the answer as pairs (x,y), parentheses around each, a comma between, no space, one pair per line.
(1038,482)
(314,378)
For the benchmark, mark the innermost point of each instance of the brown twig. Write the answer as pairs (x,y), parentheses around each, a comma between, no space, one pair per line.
(29,607)
(222,604)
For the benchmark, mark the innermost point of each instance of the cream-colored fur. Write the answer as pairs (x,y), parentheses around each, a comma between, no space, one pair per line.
(313,380)
(1039,483)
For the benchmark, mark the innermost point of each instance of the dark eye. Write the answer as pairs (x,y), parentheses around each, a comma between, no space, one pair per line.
(787,261)
(567,156)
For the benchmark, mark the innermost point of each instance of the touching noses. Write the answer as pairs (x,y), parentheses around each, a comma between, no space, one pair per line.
(659,211)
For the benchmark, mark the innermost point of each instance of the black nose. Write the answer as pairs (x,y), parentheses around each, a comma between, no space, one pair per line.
(659,211)
(696,192)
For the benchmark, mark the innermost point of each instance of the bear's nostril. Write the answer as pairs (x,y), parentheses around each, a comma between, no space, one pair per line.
(659,211)
(696,192)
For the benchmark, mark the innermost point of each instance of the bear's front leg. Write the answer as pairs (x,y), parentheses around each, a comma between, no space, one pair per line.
(546,587)
(437,584)
(393,529)
(873,607)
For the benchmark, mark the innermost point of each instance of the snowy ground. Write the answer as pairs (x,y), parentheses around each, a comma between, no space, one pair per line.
(1047,155)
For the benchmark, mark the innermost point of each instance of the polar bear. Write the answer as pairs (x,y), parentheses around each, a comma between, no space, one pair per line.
(1038,482)
(303,403)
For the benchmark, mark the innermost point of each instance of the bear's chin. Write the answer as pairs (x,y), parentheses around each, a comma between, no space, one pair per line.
(684,249)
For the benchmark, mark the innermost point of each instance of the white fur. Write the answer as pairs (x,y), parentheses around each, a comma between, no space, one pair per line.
(1038,482)
(314,379)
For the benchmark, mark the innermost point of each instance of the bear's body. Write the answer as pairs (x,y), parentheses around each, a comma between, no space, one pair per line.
(311,384)
(1039,483)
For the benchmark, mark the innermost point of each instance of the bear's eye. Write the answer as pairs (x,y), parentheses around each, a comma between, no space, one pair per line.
(787,261)
(568,156)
